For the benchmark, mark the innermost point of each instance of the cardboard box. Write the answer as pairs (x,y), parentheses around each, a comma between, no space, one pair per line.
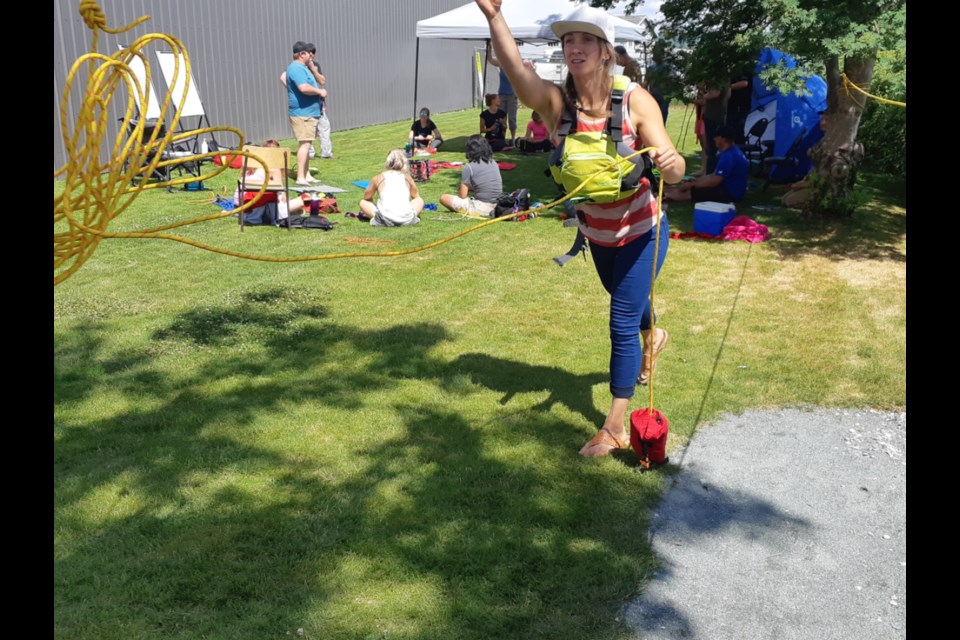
(712,217)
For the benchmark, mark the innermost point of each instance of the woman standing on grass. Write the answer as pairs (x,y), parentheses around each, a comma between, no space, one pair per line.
(621,233)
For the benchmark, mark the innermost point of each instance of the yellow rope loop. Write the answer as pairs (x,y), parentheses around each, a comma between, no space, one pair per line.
(847,83)
(95,19)
(97,191)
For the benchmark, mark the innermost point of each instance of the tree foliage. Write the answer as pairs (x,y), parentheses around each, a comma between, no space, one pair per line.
(833,38)
(883,128)
(725,36)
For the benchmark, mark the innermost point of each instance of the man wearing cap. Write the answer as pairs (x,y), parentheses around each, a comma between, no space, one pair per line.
(728,182)
(304,98)
(323,128)
(630,67)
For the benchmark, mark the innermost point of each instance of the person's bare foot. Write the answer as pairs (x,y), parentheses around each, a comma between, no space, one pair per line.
(604,442)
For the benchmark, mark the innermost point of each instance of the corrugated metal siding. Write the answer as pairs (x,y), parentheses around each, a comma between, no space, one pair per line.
(238,48)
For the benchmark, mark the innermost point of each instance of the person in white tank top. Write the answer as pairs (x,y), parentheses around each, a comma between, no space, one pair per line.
(398,199)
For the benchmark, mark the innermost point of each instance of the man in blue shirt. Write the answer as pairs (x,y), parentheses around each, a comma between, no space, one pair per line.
(304,97)
(727,183)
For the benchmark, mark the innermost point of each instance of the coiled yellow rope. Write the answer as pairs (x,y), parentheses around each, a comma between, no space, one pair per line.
(847,83)
(95,193)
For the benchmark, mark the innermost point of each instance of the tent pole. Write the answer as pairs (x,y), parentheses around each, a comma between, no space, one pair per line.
(486,62)
(416,79)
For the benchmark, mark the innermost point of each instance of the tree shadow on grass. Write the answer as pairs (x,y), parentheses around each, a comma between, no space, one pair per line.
(447,528)
(202,531)
(456,145)
(510,378)
(876,231)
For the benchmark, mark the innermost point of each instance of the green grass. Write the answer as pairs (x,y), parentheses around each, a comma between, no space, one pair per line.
(387,447)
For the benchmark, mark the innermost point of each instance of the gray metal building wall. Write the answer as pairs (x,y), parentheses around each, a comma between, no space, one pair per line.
(238,48)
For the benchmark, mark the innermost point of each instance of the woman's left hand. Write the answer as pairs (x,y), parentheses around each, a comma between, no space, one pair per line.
(665,159)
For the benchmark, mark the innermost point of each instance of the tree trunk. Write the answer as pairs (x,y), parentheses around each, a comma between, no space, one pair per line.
(837,156)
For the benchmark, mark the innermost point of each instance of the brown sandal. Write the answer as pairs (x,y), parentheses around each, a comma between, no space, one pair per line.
(605,438)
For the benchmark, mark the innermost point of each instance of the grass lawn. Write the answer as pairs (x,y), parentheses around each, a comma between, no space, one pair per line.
(386,448)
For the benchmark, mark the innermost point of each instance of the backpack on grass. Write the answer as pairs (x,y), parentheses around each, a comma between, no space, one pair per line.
(509,203)
(308,222)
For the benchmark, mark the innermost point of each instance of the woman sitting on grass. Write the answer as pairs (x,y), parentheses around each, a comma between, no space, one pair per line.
(481,176)
(537,137)
(399,202)
(424,133)
(493,123)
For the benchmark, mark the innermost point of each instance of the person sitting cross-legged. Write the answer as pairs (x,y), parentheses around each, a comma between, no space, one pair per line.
(537,138)
(398,199)
(424,133)
(727,183)
(479,177)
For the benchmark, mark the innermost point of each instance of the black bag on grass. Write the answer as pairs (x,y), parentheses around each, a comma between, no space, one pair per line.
(514,202)
(308,222)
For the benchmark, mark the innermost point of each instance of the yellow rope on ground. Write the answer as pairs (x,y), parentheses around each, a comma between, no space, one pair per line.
(95,192)
(847,83)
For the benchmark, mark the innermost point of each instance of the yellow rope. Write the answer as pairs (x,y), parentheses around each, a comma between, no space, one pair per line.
(96,192)
(653,281)
(847,83)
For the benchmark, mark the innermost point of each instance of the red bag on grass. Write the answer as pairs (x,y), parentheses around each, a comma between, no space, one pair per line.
(648,437)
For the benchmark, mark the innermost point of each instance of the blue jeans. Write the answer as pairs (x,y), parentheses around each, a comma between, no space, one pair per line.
(625,274)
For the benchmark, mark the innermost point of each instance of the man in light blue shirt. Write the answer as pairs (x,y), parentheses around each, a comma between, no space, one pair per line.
(304,97)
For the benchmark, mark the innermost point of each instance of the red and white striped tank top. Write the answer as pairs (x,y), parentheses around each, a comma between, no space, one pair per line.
(614,224)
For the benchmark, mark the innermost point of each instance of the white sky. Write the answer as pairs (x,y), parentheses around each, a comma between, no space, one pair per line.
(649,9)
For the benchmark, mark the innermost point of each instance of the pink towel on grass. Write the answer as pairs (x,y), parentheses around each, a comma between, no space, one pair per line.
(744,228)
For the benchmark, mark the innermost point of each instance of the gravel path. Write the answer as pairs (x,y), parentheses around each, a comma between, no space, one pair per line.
(786,524)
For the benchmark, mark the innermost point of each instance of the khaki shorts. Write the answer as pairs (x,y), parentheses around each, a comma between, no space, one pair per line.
(474,206)
(304,128)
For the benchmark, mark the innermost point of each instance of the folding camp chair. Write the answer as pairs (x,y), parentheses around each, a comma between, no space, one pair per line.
(785,168)
(754,148)
(277,159)
(152,119)
(193,106)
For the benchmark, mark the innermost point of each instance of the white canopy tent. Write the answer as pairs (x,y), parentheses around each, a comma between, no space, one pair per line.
(529,21)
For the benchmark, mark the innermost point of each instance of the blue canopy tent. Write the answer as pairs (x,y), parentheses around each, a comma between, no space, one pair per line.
(793,121)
